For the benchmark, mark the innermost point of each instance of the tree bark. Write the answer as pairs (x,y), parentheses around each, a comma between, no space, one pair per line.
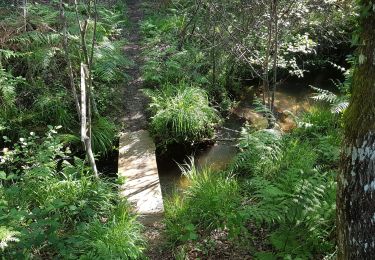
(275,53)
(266,82)
(356,179)
(87,100)
(86,122)
(25,14)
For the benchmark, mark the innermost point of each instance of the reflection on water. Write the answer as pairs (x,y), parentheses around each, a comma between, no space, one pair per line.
(216,156)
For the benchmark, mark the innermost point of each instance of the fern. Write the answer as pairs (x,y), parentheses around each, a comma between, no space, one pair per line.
(261,152)
(6,236)
(298,202)
(338,103)
(261,108)
(110,61)
(8,54)
(324,95)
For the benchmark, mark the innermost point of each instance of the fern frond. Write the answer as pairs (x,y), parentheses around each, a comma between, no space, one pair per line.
(7,235)
(324,95)
(339,107)
(261,108)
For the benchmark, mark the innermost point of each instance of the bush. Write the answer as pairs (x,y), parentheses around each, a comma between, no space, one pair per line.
(181,114)
(53,206)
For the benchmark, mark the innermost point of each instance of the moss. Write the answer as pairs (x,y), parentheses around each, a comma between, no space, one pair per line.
(360,116)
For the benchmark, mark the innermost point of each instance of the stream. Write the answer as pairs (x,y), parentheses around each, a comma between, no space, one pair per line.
(293,95)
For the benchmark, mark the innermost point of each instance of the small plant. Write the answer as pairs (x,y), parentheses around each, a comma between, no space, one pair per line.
(261,152)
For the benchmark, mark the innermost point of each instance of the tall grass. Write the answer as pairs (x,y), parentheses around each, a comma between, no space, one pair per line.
(210,202)
(181,114)
(283,185)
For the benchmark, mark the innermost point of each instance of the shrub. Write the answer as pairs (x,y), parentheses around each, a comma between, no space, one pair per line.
(181,114)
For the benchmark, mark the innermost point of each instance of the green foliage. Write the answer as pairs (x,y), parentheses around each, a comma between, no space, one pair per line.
(169,60)
(7,236)
(295,197)
(283,184)
(181,114)
(34,79)
(340,102)
(9,112)
(210,202)
(261,150)
(103,134)
(58,209)
(110,61)
(115,238)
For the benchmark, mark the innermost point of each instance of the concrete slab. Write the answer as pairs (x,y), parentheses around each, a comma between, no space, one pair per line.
(137,163)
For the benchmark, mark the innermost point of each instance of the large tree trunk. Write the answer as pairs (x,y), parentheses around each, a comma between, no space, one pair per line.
(356,180)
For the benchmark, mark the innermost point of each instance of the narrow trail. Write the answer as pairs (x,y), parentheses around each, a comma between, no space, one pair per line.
(134,117)
(134,100)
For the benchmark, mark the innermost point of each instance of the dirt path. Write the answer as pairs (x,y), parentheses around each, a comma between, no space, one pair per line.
(134,101)
(135,105)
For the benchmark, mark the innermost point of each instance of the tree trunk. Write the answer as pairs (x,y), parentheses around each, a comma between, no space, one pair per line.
(356,179)
(87,100)
(86,121)
(275,53)
(266,82)
(25,14)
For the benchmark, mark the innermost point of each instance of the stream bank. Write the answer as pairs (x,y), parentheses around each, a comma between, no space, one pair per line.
(293,95)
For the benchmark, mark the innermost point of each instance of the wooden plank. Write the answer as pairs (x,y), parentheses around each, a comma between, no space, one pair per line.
(137,163)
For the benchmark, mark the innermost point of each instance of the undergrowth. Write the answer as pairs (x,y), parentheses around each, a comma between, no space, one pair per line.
(283,184)
(51,206)
(34,71)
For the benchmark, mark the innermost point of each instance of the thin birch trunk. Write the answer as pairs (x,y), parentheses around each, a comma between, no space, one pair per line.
(25,14)
(86,121)
(275,54)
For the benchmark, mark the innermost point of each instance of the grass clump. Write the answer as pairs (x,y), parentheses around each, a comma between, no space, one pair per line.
(209,203)
(181,114)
